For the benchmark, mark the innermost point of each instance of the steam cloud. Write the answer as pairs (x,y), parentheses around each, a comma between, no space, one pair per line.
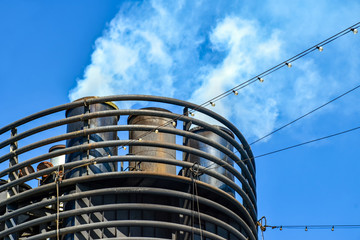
(194,51)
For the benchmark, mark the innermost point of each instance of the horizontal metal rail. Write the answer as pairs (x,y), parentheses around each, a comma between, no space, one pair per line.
(124,206)
(84,117)
(126,223)
(128,158)
(115,143)
(245,197)
(243,183)
(148,98)
(132,190)
(51,186)
(93,145)
(85,132)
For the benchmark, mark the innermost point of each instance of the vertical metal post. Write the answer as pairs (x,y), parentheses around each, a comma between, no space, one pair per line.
(87,126)
(186,127)
(188,204)
(82,219)
(13,190)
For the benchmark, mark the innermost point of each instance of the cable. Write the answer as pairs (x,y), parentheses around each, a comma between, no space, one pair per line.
(259,77)
(286,148)
(196,173)
(306,227)
(282,64)
(263,226)
(311,141)
(332,100)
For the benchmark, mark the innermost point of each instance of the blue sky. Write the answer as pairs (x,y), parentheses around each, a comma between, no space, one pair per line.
(53,52)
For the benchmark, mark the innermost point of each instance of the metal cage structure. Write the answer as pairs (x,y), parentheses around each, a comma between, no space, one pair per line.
(153,174)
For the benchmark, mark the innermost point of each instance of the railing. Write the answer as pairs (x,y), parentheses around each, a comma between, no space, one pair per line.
(45,204)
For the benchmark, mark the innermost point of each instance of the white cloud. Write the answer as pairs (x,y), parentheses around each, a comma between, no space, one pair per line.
(246,49)
(131,57)
(195,50)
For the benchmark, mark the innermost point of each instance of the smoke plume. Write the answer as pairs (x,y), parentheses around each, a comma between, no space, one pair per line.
(194,50)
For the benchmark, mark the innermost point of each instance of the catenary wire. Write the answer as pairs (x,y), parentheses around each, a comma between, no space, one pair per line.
(256,78)
(282,64)
(287,148)
(306,114)
(332,227)
(311,141)
(252,80)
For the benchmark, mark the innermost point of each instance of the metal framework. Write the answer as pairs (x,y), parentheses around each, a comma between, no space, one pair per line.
(127,202)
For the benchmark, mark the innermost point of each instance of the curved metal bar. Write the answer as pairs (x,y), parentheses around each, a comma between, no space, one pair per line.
(131,158)
(245,197)
(106,159)
(108,113)
(51,186)
(87,147)
(134,238)
(155,144)
(124,206)
(136,98)
(125,223)
(184,104)
(130,190)
(86,132)
(129,112)
(246,163)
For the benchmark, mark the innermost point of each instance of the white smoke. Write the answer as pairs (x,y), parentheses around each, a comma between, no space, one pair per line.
(246,49)
(130,54)
(194,50)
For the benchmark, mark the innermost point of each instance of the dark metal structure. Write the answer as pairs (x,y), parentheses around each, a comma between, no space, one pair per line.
(150,177)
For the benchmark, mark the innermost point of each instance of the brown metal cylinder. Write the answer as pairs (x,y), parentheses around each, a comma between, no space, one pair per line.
(152,136)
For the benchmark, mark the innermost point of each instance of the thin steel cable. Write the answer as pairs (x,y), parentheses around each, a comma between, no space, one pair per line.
(219,97)
(197,201)
(332,227)
(311,141)
(257,77)
(306,114)
(290,147)
(262,226)
(250,81)
(282,64)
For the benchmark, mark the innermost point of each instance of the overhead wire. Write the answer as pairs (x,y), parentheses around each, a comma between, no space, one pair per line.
(259,77)
(194,174)
(235,90)
(307,142)
(264,226)
(297,119)
(286,148)
(282,64)
(306,114)
(308,227)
